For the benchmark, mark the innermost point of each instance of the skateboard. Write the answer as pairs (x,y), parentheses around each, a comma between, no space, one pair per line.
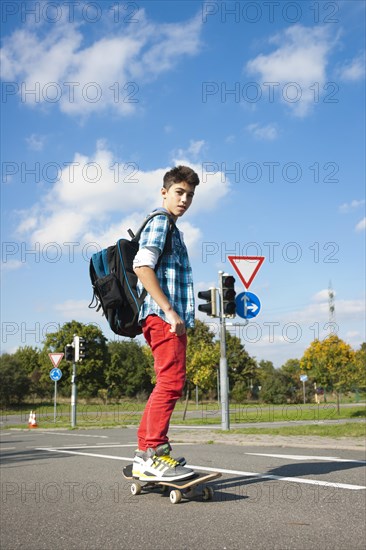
(179,489)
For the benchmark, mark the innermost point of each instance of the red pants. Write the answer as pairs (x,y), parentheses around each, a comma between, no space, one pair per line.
(169,351)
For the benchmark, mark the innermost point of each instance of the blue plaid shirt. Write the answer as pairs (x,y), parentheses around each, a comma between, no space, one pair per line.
(174,272)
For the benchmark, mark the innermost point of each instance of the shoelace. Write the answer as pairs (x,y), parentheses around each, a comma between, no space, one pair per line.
(167,459)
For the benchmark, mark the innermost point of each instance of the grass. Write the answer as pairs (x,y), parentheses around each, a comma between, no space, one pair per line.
(129,413)
(348,429)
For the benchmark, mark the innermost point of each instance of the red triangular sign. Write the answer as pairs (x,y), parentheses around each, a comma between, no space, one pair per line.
(246,267)
(56,358)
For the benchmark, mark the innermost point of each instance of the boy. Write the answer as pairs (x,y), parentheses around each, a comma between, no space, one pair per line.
(166,312)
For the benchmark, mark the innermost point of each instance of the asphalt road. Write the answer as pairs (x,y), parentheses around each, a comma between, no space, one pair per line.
(64,490)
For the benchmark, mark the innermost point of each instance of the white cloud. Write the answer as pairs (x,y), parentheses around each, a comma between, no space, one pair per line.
(85,77)
(361,226)
(322,295)
(297,64)
(268,132)
(192,237)
(319,310)
(193,151)
(11,265)
(93,190)
(76,309)
(352,70)
(350,206)
(35,142)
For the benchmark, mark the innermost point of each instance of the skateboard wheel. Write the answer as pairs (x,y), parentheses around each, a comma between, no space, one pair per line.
(207,493)
(136,488)
(175,496)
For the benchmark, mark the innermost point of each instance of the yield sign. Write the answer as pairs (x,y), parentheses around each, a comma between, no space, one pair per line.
(56,358)
(246,267)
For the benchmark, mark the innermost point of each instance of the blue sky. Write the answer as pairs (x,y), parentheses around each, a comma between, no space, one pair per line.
(264,99)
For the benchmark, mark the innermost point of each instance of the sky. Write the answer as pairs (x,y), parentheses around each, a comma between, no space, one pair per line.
(265,100)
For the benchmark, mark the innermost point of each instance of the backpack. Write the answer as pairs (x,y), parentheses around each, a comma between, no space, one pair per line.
(115,283)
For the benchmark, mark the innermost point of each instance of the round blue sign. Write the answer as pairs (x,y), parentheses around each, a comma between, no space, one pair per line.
(247,305)
(56,374)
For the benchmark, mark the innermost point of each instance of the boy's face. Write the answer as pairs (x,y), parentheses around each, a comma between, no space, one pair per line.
(178,198)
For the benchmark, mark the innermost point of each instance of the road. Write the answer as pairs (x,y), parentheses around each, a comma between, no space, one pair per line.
(64,490)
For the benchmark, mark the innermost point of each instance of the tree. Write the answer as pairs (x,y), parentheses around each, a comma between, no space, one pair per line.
(359,375)
(291,372)
(14,380)
(128,372)
(272,383)
(273,388)
(242,367)
(331,362)
(29,359)
(203,356)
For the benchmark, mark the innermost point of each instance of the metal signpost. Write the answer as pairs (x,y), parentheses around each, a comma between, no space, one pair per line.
(55,375)
(224,378)
(247,305)
(303,378)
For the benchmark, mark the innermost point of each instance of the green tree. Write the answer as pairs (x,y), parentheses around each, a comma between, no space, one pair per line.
(203,357)
(128,373)
(14,380)
(291,372)
(29,359)
(272,383)
(273,389)
(242,368)
(359,374)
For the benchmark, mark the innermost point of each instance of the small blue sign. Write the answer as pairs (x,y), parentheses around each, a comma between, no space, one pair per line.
(56,374)
(303,377)
(247,305)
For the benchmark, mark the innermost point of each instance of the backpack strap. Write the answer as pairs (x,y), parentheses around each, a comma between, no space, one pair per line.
(137,236)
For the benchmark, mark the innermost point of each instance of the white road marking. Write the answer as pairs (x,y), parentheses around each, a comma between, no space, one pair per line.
(73,435)
(7,448)
(223,471)
(310,457)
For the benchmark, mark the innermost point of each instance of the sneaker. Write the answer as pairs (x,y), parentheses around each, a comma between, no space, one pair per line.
(157,464)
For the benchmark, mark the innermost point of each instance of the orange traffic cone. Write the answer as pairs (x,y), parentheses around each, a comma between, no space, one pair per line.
(32,422)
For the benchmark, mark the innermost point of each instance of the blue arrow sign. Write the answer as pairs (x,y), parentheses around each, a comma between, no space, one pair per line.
(247,305)
(56,374)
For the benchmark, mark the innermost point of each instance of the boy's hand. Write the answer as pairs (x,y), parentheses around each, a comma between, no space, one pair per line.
(177,324)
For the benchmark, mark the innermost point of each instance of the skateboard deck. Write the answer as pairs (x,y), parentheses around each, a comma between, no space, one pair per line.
(179,488)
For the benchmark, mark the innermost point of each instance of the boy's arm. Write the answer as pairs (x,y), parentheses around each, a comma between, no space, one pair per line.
(150,282)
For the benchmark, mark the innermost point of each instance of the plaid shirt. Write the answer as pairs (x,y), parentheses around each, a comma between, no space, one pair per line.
(174,272)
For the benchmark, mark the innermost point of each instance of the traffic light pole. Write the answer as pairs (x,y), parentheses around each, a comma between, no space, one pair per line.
(224,378)
(74,390)
(74,393)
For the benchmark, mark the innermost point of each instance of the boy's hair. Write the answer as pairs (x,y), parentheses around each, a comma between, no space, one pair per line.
(179,174)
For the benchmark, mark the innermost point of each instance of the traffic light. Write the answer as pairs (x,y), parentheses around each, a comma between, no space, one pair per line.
(80,348)
(69,352)
(228,296)
(210,307)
